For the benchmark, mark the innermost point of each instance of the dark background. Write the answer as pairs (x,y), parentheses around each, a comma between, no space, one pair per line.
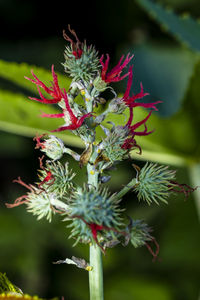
(31,32)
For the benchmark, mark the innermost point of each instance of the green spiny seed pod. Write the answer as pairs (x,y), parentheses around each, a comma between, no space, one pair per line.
(111,146)
(61,178)
(91,211)
(39,203)
(139,233)
(85,67)
(154,183)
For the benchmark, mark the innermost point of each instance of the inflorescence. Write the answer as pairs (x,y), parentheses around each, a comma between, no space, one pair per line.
(94,215)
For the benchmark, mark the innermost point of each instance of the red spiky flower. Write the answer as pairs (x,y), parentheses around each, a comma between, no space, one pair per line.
(54,91)
(115,74)
(130,142)
(74,121)
(131,103)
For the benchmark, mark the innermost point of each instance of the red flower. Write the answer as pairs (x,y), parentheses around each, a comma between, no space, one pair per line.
(114,74)
(75,122)
(132,128)
(130,100)
(131,103)
(54,91)
(130,142)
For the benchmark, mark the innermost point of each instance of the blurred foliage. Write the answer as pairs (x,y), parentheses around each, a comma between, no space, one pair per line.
(7,286)
(184,27)
(32,37)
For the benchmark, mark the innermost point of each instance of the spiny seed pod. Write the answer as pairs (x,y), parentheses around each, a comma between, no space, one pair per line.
(139,233)
(154,183)
(111,146)
(85,67)
(40,203)
(93,211)
(61,177)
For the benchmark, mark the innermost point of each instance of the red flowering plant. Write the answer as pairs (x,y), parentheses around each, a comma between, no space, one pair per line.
(94,214)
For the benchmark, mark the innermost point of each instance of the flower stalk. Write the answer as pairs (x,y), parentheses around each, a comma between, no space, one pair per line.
(95,253)
(96,274)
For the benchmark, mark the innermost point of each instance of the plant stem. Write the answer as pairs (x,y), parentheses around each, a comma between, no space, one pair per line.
(96,274)
(127,188)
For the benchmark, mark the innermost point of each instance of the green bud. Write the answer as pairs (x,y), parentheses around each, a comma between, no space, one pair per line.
(53,147)
(99,84)
(116,105)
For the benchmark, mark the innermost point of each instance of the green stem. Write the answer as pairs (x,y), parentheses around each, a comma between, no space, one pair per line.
(127,188)
(96,274)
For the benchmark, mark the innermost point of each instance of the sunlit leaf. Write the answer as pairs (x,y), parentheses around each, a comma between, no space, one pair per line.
(20,115)
(15,72)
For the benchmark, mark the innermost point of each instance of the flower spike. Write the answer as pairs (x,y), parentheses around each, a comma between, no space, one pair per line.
(114,74)
(54,91)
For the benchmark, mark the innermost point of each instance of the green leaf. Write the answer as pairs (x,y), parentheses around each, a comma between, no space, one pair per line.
(136,288)
(179,134)
(184,28)
(20,115)
(15,73)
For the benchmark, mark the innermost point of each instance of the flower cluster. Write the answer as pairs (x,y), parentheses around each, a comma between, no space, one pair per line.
(94,214)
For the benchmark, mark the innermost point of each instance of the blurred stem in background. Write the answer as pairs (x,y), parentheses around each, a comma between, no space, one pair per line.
(194,173)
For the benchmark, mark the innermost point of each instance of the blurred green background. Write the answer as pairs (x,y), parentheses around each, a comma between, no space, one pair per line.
(31,32)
